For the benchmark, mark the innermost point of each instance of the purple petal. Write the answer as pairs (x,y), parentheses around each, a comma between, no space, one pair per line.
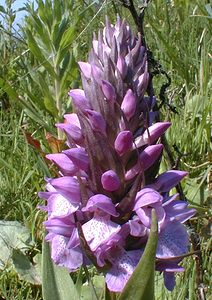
(64,257)
(177,210)
(58,226)
(59,206)
(145,197)
(146,159)
(85,69)
(167,180)
(99,230)
(168,269)
(79,99)
(145,213)
(136,228)
(96,120)
(142,83)
(121,66)
(79,157)
(123,142)
(71,130)
(74,133)
(72,119)
(173,240)
(169,280)
(151,134)
(101,202)
(68,187)
(108,90)
(149,155)
(110,181)
(64,163)
(129,104)
(124,263)
(97,74)
(58,248)
(74,240)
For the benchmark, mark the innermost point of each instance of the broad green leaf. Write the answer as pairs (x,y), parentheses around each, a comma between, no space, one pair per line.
(140,286)
(13,235)
(56,281)
(26,271)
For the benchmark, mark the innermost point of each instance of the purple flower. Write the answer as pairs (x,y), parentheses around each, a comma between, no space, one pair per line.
(102,197)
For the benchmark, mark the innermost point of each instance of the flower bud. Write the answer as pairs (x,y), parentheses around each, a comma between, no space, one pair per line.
(129,104)
(79,99)
(110,181)
(123,142)
(108,90)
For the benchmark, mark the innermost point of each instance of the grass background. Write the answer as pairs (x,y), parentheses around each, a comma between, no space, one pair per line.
(34,83)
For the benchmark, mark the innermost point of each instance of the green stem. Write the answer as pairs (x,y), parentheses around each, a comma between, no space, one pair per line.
(90,282)
(58,101)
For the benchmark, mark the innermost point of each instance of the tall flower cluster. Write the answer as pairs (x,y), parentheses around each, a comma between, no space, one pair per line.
(99,209)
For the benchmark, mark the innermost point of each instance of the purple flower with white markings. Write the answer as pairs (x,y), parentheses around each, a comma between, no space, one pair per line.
(99,209)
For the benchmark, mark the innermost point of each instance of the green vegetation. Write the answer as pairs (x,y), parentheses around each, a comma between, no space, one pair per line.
(38,67)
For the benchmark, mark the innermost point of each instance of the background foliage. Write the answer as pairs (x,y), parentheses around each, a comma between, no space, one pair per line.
(37,68)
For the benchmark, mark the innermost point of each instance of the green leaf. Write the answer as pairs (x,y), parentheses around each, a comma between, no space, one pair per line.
(68,37)
(58,31)
(87,292)
(140,286)
(2,9)
(13,235)
(37,52)
(50,106)
(42,32)
(8,89)
(56,281)
(65,43)
(26,271)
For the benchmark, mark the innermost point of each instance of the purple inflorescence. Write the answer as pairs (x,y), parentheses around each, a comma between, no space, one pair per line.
(107,187)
